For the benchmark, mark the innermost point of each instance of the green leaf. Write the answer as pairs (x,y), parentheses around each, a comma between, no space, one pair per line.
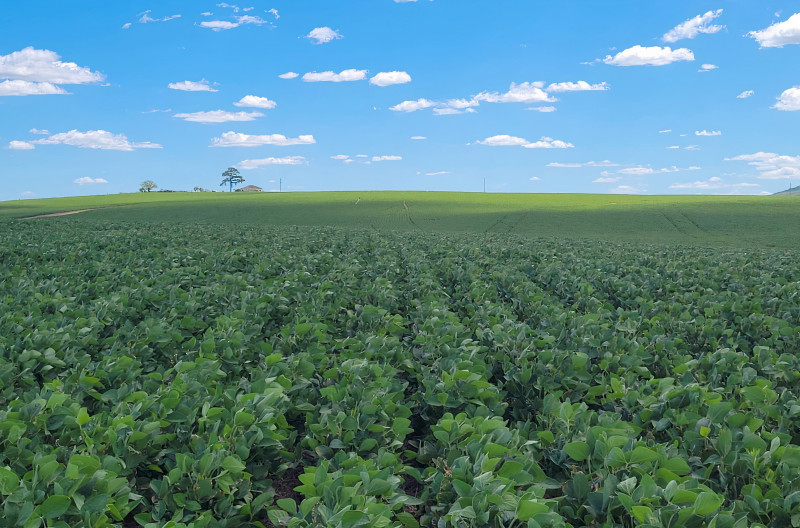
(641,455)
(707,502)
(232,464)
(54,505)
(528,508)
(577,451)
(641,512)
(288,504)
(9,481)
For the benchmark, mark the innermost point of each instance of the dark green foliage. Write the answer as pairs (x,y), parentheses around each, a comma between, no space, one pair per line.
(184,375)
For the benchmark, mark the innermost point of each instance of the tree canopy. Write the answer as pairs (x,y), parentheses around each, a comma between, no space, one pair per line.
(231,177)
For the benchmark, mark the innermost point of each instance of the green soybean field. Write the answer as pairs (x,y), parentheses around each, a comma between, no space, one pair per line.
(191,372)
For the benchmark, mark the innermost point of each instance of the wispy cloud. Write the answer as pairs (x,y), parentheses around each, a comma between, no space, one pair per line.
(224,25)
(694,26)
(94,139)
(707,132)
(218,116)
(746,94)
(23,88)
(264,162)
(708,68)
(387,158)
(716,184)
(580,86)
(289,75)
(145,18)
(86,180)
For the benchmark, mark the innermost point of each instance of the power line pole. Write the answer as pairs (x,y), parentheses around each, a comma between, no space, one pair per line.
(484,185)
(280,184)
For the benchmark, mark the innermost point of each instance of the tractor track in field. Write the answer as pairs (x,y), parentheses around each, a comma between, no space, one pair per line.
(64,213)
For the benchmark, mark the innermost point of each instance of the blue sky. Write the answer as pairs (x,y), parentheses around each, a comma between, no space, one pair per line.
(679,97)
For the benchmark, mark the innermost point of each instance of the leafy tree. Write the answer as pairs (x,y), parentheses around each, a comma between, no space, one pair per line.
(200,189)
(147,186)
(231,177)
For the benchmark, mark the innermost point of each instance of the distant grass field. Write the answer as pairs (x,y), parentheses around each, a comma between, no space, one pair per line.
(690,220)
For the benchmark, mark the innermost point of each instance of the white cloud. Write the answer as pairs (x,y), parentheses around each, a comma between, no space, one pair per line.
(206,13)
(340,157)
(413,106)
(745,94)
(44,66)
(289,75)
(626,189)
(772,166)
(253,101)
(649,56)
(646,171)
(273,12)
(708,67)
(504,140)
(580,86)
(665,131)
(258,163)
(322,35)
(235,139)
(527,92)
(549,143)
(390,78)
(789,100)
(20,145)
(192,86)
(387,158)
(39,132)
(440,173)
(779,34)
(95,139)
(21,88)
(89,181)
(218,116)
(694,26)
(707,133)
(535,178)
(607,179)
(27,194)
(715,184)
(329,76)
(604,163)
(692,147)
(145,18)
(673,147)
(418,138)
(223,25)
(543,109)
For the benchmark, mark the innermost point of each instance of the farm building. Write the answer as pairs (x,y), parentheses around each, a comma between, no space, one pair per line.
(250,188)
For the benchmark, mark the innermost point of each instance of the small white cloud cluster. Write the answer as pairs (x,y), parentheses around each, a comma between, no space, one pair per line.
(235,139)
(526,92)
(192,86)
(218,116)
(323,35)
(238,21)
(772,166)
(365,159)
(707,133)
(86,180)
(504,140)
(352,75)
(32,71)
(715,183)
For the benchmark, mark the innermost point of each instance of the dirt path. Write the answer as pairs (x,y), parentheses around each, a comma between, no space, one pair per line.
(65,213)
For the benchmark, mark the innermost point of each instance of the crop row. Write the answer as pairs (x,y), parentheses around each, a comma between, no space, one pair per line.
(175,376)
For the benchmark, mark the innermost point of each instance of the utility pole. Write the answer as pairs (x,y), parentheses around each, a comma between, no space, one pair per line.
(484,185)
(280,184)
